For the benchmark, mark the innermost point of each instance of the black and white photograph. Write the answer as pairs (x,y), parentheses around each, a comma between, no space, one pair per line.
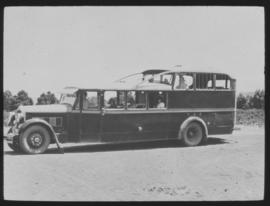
(133,103)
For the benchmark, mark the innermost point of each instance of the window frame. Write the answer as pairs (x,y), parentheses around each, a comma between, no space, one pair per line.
(136,109)
(184,74)
(228,78)
(116,109)
(98,102)
(206,89)
(79,99)
(155,108)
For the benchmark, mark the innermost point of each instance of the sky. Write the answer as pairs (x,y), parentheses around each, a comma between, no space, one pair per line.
(49,48)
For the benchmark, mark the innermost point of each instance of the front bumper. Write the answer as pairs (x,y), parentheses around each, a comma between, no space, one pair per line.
(10,137)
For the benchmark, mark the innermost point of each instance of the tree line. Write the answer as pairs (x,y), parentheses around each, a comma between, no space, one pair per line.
(12,102)
(251,101)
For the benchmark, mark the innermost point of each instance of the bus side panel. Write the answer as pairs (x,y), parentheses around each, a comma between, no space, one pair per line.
(211,106)
(224,123)
(73,127)
(216,122)
(176,119)
(90,126)
(135,125)
(201,99)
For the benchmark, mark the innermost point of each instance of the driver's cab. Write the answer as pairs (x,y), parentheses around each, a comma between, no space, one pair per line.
(77,98)
(86,100)
(68,96)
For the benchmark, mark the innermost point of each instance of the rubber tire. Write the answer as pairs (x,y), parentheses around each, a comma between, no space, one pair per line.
(200,135)
(26,148)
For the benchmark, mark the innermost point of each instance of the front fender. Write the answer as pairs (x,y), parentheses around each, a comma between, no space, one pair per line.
(34,121)
(193,119)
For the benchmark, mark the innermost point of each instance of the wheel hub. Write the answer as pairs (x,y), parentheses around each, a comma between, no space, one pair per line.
(191,133)
(36,140)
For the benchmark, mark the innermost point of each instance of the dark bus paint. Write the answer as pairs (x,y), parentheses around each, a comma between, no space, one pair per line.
(216,108)
(205,107)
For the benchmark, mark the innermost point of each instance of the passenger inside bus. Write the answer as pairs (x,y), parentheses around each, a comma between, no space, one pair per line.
(181,82)
(112,103)
(85,101)
(160,103)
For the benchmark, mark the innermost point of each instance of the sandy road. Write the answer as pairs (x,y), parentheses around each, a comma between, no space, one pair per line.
(229,167)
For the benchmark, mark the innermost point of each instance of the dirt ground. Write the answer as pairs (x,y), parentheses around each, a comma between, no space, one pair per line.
(229,167)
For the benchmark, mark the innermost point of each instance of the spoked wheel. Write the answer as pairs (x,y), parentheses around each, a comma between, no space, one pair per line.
(192,134)
(35,140)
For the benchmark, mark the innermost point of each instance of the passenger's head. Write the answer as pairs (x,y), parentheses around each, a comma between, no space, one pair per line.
(181,78)
(160,99)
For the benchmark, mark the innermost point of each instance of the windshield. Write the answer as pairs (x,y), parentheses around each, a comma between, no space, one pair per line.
(68,99)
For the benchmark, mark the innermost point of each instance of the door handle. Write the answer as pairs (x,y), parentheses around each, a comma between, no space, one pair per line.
(102,111)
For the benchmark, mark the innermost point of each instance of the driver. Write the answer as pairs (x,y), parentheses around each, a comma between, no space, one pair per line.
(85,101)
(182,83)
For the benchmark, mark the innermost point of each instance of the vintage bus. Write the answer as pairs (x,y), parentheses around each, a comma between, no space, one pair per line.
(161,105)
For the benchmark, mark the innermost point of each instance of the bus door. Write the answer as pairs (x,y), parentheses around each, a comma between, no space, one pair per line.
(113,119)
(90,118)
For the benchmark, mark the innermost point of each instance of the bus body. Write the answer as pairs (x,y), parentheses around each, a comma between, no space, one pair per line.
(165,104)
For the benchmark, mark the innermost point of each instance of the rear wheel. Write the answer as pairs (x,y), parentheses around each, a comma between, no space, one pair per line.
(34,140)
(192,134)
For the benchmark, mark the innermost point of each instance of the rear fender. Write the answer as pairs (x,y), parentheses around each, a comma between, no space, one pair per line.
(193,119)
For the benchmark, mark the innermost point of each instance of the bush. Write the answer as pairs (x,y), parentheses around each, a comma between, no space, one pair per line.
(241,101)
(12,102)
(257,101)
(250,117)
(251,101)
(48,98)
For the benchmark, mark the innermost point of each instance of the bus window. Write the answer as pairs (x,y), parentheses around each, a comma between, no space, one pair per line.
(157,100)
(204,81)
(223,82)
(167,79)
(90,100)
(114,99)
(136,100)
(183,81)
(210,84)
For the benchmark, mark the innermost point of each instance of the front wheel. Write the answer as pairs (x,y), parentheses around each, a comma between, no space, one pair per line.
(14,147)
(35,140)
(192,134)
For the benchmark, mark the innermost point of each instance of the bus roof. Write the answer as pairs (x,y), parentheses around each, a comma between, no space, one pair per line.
(118,85)
(200,71)
(190,70)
